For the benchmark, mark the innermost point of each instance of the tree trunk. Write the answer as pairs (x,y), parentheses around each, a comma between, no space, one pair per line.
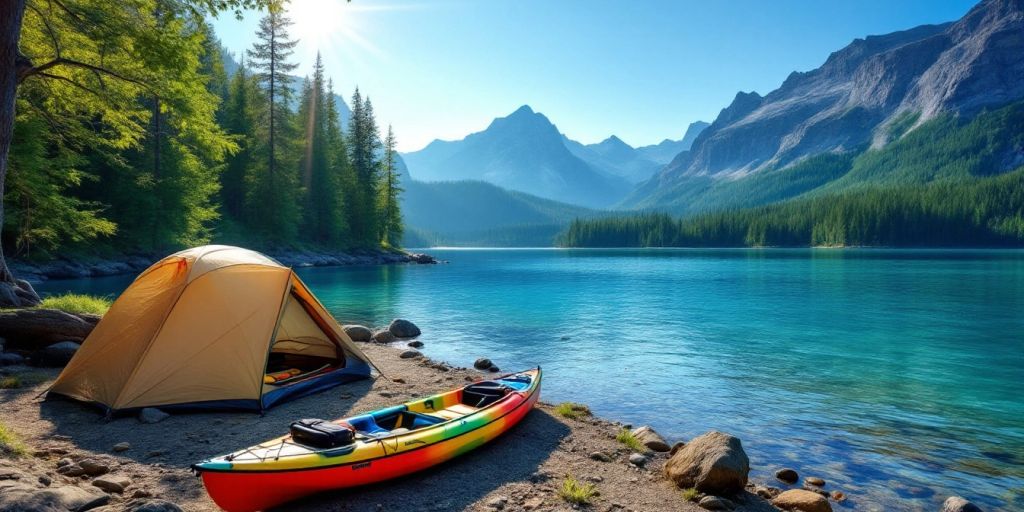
(34,329)
(12,65)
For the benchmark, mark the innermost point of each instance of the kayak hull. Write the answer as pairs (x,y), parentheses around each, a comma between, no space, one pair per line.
(244,491)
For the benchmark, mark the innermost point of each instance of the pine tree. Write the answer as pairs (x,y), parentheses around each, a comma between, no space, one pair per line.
(273,209)
(240,122)
(364,142)
(390,211)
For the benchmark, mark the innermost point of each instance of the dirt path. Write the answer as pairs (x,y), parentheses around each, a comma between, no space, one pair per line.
(522,470)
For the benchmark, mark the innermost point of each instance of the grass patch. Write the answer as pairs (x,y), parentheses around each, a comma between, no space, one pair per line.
(10,382)
(690,494)
(572,410)
(627,438)
(21,380)
(77,303)
(577,492)
(10,444)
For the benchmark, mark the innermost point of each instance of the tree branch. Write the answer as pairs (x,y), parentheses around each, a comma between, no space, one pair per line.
(70,81)
(59,61)
(49,28)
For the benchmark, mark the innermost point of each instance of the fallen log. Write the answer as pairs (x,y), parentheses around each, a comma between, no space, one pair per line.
(35,329)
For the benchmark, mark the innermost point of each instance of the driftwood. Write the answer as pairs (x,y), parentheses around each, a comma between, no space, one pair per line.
(34,329)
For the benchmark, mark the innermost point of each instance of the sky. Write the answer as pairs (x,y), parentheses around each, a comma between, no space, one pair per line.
(642,70)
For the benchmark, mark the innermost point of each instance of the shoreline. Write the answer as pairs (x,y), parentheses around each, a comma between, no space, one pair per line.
(134,263)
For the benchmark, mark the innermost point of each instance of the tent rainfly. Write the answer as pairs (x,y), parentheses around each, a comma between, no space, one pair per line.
(214,327)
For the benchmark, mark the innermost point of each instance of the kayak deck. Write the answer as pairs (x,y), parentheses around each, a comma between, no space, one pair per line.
(389,442)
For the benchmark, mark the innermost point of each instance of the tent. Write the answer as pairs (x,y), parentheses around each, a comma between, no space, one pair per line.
(212,327)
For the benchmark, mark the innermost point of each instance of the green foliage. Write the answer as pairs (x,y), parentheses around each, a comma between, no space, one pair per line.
(389,190)
(626,437)
(572,410)
(576,492)
(10,444)
(364,142)
(77,303)
(690,494)
(10,382)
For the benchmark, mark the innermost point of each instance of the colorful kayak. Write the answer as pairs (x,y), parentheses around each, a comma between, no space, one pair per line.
(383,444)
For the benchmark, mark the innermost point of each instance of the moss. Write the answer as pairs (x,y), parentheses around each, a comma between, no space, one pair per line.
(627,438)
(577,492)
(572,410)
(77,303)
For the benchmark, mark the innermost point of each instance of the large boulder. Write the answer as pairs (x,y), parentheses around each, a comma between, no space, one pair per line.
(58,354)
(714,463)
(801,500)
(358,332)
(958,504)
(482,363)
(651,439)
(402,328)
(34,329)
(20,497)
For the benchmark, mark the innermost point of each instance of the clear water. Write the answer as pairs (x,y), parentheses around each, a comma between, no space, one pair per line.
(898,376)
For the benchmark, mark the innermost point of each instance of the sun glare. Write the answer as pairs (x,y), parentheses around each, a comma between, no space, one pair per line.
(319,21)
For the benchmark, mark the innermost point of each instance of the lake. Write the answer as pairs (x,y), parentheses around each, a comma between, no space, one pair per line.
(896,375)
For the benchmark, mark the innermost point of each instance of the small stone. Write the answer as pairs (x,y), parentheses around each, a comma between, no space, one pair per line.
(112,483)
(398,380)
(651,439)
(383,336)
(152,415)
(533,503)
(71,470)
(141,493)
(839,496)
(358,332)
(802,500)
(768,493)
(410,354)
(497,503)
(637,459)
(58,354)
(787,475)
(676,447)
(482,364)
(958,504)
(595,478)
(813,480)
(93,467)
(121,447)
(600,457)
(45,480)
(715,503)
(415,344)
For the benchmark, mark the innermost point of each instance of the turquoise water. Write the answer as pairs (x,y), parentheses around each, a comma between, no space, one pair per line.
(898,376)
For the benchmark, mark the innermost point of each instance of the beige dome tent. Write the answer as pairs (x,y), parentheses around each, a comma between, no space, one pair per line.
(212,327)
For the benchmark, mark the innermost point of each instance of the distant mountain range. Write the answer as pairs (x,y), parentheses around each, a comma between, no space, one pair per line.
(874,91)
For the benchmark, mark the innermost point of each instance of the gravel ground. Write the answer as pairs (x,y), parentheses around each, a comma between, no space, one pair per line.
(522,470)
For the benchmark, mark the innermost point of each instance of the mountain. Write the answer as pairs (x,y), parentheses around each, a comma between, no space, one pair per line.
(664,151)
(523,152)
(864,97)
(476,213)
(614,157)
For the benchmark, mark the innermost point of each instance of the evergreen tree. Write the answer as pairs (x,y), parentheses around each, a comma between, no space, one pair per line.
(322,182)
(390,211)
(239,121)
(364,143)
(273,192)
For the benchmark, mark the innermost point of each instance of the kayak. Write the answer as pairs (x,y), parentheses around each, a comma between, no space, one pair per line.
(319,456)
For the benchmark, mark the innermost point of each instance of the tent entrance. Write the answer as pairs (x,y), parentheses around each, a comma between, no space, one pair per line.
(301,348)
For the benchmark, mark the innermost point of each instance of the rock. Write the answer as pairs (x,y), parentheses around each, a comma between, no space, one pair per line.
(11,359)
(415,344)
(482,364)
(71,470)
(402,328)
(383,336)
(93,467)
(64,462)
(152,506)
(358,332)
(651,439)
(601,457)
(816,489)
(768,493)
(714,463)
(676,447)
(533,503)
(715,503)
(11,474)
(838,496)
(802,500)
(787,475)
(58,354)
(34,329)
(152,415)
(120,447)
(422,259)
(45,480)
(410,354)
(494,368)
(112,483)
(813,480)
(637,459)
(958,504)
(497,503)
(141,493)
(16,496)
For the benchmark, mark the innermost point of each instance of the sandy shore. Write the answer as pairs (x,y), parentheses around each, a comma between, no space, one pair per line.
(522,470)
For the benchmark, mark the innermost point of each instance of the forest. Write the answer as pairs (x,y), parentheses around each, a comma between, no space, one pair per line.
(130,135)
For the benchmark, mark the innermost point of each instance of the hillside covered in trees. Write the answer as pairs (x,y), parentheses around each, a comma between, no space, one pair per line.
(128,134)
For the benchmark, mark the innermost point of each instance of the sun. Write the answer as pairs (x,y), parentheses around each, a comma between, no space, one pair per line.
(320,22)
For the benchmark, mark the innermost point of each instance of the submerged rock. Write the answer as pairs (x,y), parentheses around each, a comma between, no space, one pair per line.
(787,475)
(958,504)
(482,364)
(358,332)
(802,501)
(120,447)
(403,328)
(714,463)
(813,480)
(415,344)
(651,439)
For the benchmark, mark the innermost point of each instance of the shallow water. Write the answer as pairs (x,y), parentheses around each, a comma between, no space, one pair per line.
(896,375)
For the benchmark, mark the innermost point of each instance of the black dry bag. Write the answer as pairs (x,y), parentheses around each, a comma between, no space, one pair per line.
(322,434)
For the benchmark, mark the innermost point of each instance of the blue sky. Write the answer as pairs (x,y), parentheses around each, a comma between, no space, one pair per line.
(642,70)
